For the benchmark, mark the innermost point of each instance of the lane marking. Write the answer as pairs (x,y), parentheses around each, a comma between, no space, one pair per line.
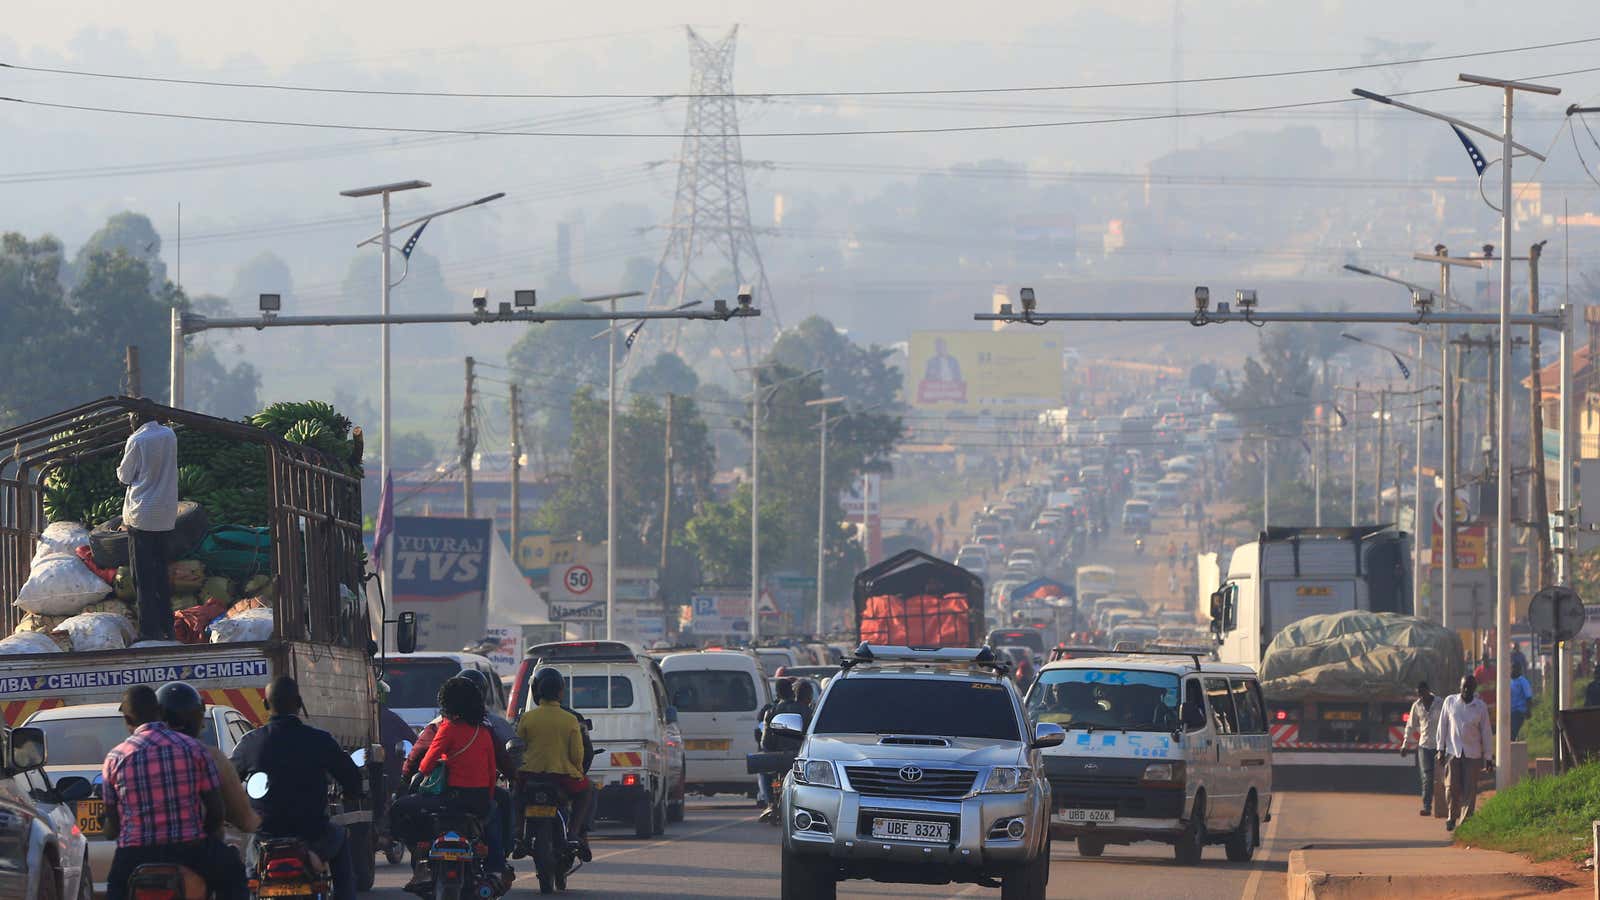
(1253,884)
(673,840)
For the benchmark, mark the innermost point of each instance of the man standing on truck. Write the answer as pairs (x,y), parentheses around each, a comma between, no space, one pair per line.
(149,468)
(1468,745)
(1422,736)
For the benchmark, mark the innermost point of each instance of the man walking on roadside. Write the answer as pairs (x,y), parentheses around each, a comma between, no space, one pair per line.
(1468,745)
(1422,736)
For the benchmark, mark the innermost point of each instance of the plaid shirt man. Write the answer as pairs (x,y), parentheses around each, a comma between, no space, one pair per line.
(153,780)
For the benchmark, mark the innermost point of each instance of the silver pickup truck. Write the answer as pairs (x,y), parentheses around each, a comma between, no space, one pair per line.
(920,767)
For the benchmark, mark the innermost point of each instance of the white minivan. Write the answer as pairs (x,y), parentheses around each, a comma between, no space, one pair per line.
(719,695)
(1161,746)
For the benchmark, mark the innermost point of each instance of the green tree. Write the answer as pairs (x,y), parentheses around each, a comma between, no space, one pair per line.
(36,325)
(551,361)
(666,374)
(578,507)
(1276,387)
(861,374)
(133,234)
(115,307)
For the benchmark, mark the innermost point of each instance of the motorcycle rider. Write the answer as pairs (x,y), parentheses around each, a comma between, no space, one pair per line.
(184,711)
(298,761)
(554,749)
(464,744)
(163,803)
(771,741)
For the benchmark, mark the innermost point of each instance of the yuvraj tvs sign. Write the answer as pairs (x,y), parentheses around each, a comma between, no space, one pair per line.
(441,573)
(977,370)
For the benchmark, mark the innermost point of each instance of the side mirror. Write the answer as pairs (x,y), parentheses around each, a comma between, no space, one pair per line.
(73,788)
(1048,734)
(1194,717)
(256,785)
(359,757)
(788,724)
(672,715)
(1218,605)
(405,632)
(27,750)
(403,748)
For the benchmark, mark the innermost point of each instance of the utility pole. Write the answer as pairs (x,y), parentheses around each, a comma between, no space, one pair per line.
(468,439)
(822,503)
(516,470)
(1383,436)
(755,503)
(130,384)
(1318,463)
(1539,505)
(1266,484)
(666,500)
(1418,508)
(1355,405)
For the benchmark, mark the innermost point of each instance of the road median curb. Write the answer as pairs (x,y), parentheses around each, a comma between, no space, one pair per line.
(1414,872)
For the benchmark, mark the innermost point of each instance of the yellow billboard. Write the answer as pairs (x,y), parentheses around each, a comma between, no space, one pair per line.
(970,371)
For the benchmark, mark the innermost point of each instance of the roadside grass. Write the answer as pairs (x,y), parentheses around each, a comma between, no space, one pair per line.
(1543,818)
(1536,730)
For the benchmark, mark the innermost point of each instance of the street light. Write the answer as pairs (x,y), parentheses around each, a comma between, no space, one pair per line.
(822,499)
(756,402)
(1502,575)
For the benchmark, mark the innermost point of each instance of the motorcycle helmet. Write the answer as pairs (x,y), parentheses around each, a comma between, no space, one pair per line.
(479,681)
(182,707)
(548,684)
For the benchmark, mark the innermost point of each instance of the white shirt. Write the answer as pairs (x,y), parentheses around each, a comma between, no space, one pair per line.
(1422,728)
(1464,728)
(149,468)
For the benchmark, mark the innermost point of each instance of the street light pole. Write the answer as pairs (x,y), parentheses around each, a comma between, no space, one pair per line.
(611,478)
(755,502)
(822,501)
(1502,542)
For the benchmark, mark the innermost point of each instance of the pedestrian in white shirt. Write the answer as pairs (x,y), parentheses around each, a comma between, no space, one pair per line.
(1468,745)
(1422,736)
(149,468)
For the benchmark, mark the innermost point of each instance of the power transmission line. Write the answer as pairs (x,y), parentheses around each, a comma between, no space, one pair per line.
(729,94)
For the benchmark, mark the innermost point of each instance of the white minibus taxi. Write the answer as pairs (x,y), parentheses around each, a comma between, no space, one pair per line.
(719,695)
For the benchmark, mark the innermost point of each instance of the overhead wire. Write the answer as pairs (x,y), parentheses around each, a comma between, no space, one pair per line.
(654,95)
(678,135)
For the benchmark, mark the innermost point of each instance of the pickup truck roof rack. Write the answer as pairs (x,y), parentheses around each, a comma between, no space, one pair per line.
(1060,653)
(972,657)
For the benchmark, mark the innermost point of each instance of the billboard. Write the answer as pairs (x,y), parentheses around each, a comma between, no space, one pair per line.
(441,573)
(971,371)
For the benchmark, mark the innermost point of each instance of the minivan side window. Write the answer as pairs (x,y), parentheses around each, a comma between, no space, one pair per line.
(1247,702)
(1193,695)
(1223,716)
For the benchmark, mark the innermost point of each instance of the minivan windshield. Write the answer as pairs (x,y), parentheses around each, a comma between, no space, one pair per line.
(1102,699)
(414,682)
(945,707)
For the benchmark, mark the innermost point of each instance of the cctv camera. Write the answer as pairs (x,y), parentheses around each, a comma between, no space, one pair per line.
(1202,297)
(744,295)
(1246,299)
(1029,304)
(1422,301)
(480,299)
(720,307)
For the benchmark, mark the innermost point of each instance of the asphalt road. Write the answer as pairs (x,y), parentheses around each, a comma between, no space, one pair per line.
(722,851)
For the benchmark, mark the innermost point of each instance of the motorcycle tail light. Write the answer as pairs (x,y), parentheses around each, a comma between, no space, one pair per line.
(148,893)
(284,868)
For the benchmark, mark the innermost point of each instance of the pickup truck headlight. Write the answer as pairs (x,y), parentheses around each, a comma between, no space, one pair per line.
(817,772)
(1008,780)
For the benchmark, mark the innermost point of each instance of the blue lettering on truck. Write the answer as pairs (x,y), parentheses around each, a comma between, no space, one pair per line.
(116,678)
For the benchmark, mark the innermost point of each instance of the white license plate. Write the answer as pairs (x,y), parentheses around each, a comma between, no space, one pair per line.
(1086,815)
(911,830)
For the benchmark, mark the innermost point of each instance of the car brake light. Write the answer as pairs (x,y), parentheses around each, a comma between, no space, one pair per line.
(630,780)
(1405,717)
(1280,715)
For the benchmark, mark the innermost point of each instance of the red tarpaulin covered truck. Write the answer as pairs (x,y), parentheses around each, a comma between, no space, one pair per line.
(913,599)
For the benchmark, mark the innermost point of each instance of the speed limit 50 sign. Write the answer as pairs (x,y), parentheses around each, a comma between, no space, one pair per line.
(577,580)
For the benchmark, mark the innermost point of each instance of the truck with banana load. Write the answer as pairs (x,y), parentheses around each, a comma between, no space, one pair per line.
(303,496)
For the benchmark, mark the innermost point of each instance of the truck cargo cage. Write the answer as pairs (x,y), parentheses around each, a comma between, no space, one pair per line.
(913,598)
(314,511)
